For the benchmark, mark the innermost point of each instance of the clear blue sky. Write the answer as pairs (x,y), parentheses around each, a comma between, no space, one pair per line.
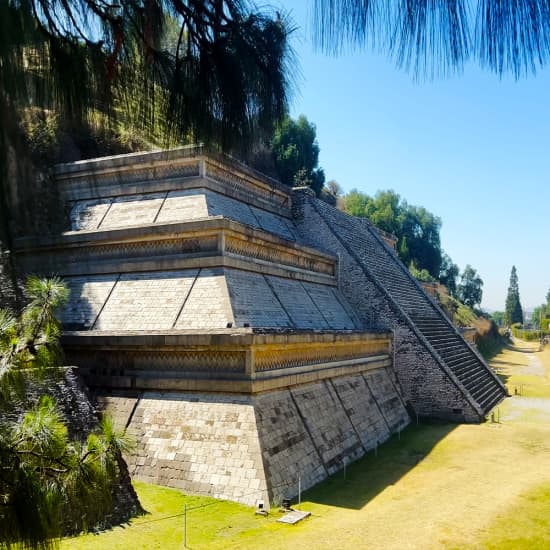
(473,149)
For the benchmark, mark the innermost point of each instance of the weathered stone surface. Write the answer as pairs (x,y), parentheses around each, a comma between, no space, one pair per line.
(201,443)
(133,210)
(246,448)
(388,399)
(87,297)
(146,301)
(173,206)
(195,277)
(201,299)
(254,303)
(297,303)
(272,223)
(363,410)
(190,204)
(288,450)
(207,305)
(88,214)
(384,294)
(334,310)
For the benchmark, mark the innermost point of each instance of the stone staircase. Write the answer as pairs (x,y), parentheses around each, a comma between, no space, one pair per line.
(446,343)
(470,370)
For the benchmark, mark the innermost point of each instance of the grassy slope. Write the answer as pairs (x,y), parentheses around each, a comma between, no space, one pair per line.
(437,486)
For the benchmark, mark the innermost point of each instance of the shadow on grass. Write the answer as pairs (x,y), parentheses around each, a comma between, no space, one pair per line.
(494,363)
(489,347)
(372,474)
(499,362)
(504,378)
(515,347)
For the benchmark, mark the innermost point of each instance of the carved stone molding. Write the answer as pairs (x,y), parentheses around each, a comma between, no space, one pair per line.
(127,174)
(193,361)
(189,244)
(236,244)
(282,357)
(245,184)
(103,183)
(230,357)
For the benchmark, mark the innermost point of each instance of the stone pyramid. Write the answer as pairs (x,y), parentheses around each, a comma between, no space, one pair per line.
(248,336)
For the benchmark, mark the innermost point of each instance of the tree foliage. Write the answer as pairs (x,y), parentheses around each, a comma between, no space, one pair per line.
(498,318)
(470,288)
(212,71)
(537,316)
(215,70)
(513,310)
(448,274)
(432,37)
(49,482)
(296,154)
(417,229)
(421,274)
(334,188)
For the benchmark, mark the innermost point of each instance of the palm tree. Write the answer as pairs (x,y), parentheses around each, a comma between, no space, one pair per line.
(434,37)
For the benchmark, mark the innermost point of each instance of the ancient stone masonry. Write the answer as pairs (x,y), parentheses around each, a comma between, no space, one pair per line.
(239,333)
(440,373)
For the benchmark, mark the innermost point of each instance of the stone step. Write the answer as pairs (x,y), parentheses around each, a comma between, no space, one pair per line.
(450,358)
(491,401)
(479,393)
(434,327)
(467,368)
(469,378)
(474,380)
(450,346)
(455,350)
(458,359)
(440,335)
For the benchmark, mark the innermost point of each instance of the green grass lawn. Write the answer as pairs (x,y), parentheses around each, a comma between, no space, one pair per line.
(209,521)
(213,523)
(526,524)
(437,486)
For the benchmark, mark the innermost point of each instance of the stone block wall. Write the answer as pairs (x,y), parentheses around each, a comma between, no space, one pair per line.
(251,447)
(204,298)
(173,206)
(198,442)
(309,431)
(363,410)
(425,384)
(287,448)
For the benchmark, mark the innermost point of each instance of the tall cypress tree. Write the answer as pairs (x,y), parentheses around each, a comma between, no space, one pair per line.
(514,311)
